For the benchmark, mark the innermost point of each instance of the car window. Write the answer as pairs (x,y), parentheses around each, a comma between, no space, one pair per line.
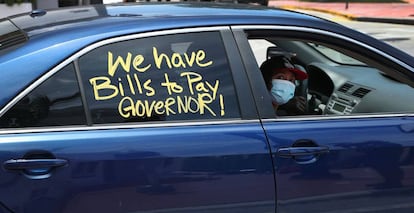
(55,102)
(340,81)
(162,78)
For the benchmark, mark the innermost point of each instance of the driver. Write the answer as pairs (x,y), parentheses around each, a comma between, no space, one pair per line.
(280,76)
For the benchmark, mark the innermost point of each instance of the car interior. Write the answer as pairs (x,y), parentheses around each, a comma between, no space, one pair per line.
(338,83)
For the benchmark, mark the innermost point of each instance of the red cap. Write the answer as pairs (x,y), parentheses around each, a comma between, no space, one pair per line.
(299,74)
(278,63)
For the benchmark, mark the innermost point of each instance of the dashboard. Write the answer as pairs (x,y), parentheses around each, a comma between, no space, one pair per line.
(346,89)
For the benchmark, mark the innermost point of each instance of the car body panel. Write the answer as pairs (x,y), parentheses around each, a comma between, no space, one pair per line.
(368,166)
(117,170)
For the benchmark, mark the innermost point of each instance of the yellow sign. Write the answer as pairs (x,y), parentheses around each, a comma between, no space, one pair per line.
(192,94)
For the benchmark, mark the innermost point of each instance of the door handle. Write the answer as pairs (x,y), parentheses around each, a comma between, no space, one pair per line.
(290,152)
(303,155)
(30,164)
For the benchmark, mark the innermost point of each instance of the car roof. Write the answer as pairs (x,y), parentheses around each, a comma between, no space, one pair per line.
(95,15)
(84,25)
(98,22)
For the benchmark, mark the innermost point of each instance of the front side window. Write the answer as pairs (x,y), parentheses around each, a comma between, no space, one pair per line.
(163,78)
(338,80)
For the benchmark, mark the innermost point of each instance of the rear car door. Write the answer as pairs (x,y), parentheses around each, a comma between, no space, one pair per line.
(158,121)
(352,151)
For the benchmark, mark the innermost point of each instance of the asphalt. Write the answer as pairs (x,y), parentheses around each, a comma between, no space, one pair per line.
(397,13)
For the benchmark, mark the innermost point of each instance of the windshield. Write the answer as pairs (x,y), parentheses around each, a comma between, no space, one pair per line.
(334,55)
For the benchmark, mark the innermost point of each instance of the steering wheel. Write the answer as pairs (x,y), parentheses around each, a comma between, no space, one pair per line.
(302,88)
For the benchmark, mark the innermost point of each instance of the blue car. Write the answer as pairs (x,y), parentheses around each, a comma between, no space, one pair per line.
(165,107)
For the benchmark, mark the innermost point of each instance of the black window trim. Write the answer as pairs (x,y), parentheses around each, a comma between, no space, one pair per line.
(82,91)
(241,82)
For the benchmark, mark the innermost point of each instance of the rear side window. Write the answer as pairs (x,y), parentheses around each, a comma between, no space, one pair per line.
(163,78)
(55,102)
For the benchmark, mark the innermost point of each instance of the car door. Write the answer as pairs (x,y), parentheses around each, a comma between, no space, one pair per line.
(161,121)
(353,149)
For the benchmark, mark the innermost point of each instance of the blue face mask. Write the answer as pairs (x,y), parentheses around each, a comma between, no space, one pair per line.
(282,91)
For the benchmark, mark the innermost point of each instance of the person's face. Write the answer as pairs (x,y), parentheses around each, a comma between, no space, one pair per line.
(284,75)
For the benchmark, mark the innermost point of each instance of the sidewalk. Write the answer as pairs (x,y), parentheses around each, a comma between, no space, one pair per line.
(399,13)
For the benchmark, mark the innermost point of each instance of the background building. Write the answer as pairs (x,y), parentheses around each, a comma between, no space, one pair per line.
(10,7)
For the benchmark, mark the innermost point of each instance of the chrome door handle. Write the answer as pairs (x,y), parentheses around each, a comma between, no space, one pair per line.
(27,164)
(290,152)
